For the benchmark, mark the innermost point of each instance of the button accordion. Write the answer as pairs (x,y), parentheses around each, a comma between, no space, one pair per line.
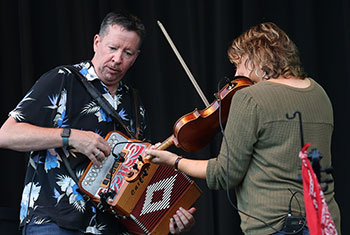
(144,205)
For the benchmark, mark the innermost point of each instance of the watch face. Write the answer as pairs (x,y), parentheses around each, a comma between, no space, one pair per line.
(65,132)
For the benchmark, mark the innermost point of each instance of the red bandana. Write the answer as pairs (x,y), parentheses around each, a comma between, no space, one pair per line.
(319,219)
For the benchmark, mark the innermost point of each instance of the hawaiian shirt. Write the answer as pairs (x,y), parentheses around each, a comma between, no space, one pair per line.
(59,99)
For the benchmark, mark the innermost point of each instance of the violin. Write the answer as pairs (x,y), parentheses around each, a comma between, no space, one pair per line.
(197,129)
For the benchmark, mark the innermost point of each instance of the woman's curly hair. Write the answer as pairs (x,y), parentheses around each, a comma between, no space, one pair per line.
(268,48)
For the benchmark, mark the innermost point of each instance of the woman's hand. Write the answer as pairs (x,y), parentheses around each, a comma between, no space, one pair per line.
(194,168)
(161,157)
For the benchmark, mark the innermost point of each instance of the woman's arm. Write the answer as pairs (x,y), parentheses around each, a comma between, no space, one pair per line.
(194,168)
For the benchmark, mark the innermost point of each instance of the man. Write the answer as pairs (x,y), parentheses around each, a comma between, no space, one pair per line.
(59,112)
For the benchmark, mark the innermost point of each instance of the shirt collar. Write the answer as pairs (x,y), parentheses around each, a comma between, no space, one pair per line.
(87,70)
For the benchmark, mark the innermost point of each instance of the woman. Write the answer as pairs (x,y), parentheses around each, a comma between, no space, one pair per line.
(262,144)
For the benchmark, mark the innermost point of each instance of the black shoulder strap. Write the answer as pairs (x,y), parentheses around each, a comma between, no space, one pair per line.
(104,104)
(64,158)
(134,99)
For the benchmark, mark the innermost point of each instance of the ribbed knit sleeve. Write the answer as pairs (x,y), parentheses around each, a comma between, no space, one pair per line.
(241,136)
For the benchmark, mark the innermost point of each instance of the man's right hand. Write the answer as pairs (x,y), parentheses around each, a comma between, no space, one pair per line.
(90,144)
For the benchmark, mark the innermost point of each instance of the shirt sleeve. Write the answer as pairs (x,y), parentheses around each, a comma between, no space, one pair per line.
(39,105)
(241,133)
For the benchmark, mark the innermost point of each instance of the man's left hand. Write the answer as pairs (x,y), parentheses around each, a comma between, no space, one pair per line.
(182,221)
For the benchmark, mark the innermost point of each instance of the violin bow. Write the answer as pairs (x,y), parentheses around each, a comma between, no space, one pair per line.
(182,62)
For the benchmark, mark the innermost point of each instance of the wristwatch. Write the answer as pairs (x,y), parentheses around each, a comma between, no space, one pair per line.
(65,135)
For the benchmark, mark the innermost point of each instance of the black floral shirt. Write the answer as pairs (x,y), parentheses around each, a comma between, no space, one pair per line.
(58,99)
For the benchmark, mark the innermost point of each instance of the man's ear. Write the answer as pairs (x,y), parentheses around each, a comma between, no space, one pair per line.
(137,54)
(97,40)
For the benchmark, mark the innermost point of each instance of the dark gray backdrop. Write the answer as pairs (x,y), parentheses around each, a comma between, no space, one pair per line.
(39,35)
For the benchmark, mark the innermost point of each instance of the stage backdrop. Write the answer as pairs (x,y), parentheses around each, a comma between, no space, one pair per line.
(39,35)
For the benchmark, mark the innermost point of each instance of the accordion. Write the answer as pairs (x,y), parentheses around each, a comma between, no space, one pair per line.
(144,205)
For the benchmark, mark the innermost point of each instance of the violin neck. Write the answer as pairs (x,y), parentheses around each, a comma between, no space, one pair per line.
(167,143)
(164,145)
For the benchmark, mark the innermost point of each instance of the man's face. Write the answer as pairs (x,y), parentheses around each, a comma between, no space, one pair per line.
(115,53)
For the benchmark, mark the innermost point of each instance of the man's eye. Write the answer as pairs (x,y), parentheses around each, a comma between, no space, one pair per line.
(128,54)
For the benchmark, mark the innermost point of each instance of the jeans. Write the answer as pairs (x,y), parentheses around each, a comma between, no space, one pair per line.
(47,229)
(305,231)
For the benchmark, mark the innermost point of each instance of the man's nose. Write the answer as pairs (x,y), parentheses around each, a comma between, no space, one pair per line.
(117,57)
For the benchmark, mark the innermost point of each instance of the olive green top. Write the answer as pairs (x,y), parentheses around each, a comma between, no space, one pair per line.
(264,146)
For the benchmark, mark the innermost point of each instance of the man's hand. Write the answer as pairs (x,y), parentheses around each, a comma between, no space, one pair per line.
(90,144)
(182,221)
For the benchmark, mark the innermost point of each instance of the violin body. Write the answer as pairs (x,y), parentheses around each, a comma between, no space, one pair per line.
(197,129)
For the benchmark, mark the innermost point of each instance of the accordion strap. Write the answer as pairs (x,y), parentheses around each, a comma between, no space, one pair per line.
(63,156)
(136,113)
(75,178)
